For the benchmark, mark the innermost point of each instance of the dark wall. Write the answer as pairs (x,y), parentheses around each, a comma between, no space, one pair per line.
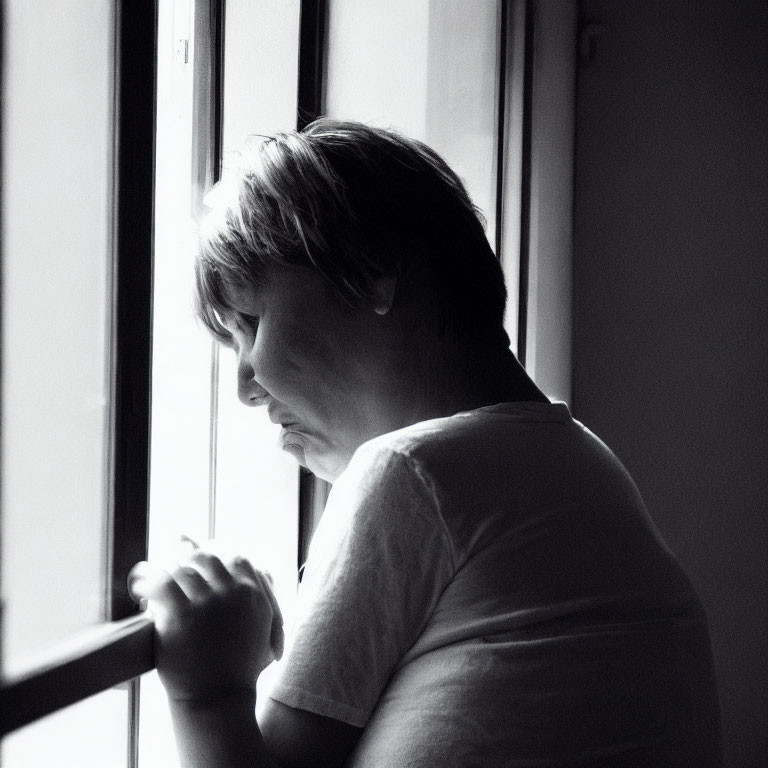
(670,275)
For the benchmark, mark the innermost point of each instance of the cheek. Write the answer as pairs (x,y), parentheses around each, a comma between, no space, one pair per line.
(284,359)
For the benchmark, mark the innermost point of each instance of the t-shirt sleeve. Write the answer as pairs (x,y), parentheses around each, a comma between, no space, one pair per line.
(378,563)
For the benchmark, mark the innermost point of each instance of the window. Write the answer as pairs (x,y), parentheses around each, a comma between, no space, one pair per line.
(77,213)
(57,280)
(101,187)
(215,472)
(446,86)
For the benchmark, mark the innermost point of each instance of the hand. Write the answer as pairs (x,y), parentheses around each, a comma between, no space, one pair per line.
(216,626)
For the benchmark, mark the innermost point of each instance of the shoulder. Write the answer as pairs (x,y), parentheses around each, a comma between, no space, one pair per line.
(455,442)
(384,496)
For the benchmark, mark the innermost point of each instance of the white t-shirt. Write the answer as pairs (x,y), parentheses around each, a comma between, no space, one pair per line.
(488,590)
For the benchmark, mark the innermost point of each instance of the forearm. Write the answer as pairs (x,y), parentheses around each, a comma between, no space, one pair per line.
(221,733)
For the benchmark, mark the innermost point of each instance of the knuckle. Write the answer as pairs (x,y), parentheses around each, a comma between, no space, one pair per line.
(235,564)
(187,570)
(202,556)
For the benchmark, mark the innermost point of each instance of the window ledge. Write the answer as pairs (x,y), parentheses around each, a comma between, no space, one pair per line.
(92,661)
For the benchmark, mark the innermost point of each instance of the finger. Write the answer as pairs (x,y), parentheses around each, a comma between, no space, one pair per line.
(276,633)
(135,575)
(212,569)
(267,587)
(187,546)
(148,582)
(277,637)
(191,581)
(189,540)
(243,568)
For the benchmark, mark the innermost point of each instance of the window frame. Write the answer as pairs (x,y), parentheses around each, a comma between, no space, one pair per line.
(121,649)
(310,104)
(136,75)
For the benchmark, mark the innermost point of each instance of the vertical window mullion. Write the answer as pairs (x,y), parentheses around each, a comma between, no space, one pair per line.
(312,44)
(313,491)
(2,314)
(525,183)
(501,129)
(133,249)
(135,96)
(134,704)
(207,145)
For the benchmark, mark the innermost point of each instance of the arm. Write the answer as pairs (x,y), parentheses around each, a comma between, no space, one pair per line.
(300,739)
(219,733)
(217,627)
(224,733)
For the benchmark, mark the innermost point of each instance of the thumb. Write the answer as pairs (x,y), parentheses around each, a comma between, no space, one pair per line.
(277,637)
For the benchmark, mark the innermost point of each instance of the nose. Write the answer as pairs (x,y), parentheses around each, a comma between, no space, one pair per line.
(249,391)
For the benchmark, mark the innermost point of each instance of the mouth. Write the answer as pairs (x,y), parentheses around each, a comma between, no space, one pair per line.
(275,418)
(288,426)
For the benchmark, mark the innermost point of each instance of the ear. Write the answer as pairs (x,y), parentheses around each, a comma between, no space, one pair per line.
(384,288)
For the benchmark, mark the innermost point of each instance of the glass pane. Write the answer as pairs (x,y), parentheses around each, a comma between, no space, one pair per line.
(260,92)
(261,68)
(57,136)
(181,354)
(198,425)
(256,489)
(256,483)
(157,745)
(428,68)
(90,734)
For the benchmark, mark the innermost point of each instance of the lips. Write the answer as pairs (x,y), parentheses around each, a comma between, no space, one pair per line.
(282,420)
(286,424)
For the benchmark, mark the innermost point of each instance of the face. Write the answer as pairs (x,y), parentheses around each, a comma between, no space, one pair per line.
(307,357)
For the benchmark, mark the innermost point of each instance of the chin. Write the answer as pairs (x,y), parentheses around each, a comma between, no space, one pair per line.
(327,468)
(298,453)
(317,456)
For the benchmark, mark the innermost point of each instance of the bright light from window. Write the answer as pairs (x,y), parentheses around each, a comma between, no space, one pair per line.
(215,463)
(57,139)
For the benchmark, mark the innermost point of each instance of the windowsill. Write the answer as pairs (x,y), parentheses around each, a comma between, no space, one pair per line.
(85,664)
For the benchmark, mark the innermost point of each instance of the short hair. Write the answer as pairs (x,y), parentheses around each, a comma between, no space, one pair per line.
(353,202)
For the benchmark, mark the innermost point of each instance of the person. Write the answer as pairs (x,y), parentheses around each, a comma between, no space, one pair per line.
(485,587)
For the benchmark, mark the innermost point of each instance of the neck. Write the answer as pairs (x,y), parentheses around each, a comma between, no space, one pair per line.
(479,378)
(455,378)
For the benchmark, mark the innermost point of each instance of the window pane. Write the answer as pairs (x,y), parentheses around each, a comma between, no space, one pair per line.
(181,352)
(198,425)
(256,483)
(90,734)
(157,745)
(428,68)
(261,68)
(256,490)
(57,134)
(261,40)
